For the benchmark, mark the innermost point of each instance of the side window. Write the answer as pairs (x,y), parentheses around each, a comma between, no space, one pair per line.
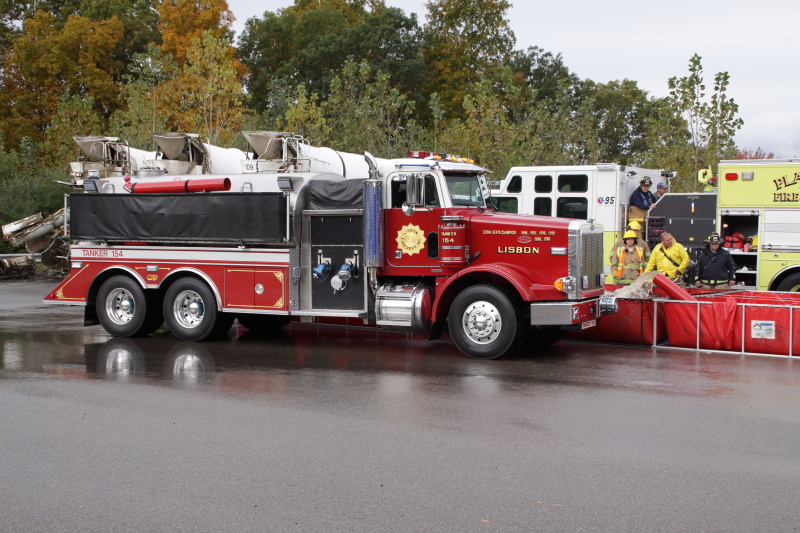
(543,184)
(543,206)
(431,192)
(572,207)
(515,185)
(398,193)
(506,205)
(573,183)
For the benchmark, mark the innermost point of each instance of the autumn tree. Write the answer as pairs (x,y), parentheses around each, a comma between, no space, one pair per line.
(10,13)
(46,65)
(139,20)
(758,153)
(465,41)
(183,21)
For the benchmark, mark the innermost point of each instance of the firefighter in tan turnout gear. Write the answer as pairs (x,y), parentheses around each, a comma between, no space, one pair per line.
(641,241)
(628,261)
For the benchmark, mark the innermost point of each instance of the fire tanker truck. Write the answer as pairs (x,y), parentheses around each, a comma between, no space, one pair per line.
(411,247)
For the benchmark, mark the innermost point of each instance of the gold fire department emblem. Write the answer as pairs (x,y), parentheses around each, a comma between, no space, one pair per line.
(410,239)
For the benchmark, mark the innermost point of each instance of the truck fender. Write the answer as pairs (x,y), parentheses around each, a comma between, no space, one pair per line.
(518,280)
(200,274)
(106,272)
(779,276)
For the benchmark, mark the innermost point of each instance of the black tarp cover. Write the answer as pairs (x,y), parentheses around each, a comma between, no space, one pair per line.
(253,218)
(335,194)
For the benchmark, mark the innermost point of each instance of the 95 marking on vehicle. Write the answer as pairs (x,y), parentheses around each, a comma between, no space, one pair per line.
(589,324)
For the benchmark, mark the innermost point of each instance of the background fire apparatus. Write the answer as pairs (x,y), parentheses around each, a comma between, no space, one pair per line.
(601,193)
(412,248)
(759,210)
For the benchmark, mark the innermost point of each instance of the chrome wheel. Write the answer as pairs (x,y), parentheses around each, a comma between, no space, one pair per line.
(188,309)
(482,322)
(120,306)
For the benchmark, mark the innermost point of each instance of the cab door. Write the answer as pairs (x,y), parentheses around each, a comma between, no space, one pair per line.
(414,207)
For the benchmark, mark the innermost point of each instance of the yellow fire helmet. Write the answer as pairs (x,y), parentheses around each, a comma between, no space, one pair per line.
(630,234)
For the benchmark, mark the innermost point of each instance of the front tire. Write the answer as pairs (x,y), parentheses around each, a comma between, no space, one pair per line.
(483,322)
(190,311)
(124,310)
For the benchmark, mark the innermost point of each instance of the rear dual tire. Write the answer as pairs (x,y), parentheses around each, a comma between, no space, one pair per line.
(125,309)
(190,310)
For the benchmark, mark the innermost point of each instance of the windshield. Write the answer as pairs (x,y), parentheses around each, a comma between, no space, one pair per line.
(465,190)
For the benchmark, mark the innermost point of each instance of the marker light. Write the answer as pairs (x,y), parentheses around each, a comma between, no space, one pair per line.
(566,284)
(731,176)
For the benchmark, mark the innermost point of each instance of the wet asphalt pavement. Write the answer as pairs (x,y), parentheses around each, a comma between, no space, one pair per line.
(327,429)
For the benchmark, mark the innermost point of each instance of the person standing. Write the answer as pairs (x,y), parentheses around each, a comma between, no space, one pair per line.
(628,260)
(642,197)
(716,268)
(669,258)
(661,189)
(640,241)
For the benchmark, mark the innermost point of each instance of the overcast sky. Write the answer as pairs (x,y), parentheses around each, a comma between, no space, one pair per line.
(757,43)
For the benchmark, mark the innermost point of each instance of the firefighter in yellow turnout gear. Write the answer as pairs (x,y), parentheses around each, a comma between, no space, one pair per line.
(628,261)
(670,258)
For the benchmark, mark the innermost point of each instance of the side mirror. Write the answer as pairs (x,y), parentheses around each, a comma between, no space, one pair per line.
(412,189)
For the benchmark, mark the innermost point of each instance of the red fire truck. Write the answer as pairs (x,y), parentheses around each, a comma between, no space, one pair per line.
(413,247)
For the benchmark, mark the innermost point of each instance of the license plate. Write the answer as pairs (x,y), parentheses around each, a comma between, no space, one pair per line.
(589,324)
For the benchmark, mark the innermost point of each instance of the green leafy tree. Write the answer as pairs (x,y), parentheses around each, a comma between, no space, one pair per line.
(619,110)
(75,116)
(208,95)
(712,123)
(466,41)
(309,43)
(669,144)
(370,114)
(150,106)
(543,75)
(305,117)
